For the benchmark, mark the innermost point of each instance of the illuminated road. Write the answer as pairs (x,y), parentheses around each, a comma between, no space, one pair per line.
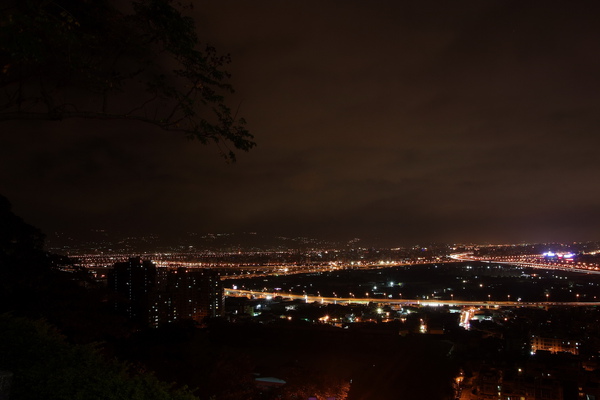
(400,302)
(532,261)
(241,270)
(466,316)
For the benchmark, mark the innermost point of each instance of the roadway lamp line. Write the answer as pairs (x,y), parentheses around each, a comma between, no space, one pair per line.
(400,302)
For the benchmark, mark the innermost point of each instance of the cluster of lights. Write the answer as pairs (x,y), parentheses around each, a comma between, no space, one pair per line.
(558,255)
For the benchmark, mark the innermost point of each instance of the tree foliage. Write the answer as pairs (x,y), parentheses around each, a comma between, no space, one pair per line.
(19,242)
(45,366)
(101,59)
(32,284)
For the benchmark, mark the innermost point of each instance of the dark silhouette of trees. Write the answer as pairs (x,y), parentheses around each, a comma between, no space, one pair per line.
(32,285)
(19,242)
(43,363)
(45,366)
(130,60)
(100,59)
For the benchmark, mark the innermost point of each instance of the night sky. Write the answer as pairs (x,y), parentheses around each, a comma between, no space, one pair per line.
(394,121)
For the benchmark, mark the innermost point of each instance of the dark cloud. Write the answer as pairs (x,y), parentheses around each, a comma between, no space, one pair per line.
(395,121)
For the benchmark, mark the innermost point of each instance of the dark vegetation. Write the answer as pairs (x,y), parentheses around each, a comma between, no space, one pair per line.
(131,60)
(110,60)
(46,366)
(49,321)
(314,360)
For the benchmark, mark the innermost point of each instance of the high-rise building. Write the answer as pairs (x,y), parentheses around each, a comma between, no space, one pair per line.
(154,296)
(134,282)
(187,293)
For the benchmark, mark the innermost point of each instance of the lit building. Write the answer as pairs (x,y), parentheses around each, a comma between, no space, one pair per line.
(134,282)
(186,293)
(554,345)
(153,296)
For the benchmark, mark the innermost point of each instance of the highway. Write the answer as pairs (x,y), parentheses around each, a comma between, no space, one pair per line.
(400,302)
(532,261)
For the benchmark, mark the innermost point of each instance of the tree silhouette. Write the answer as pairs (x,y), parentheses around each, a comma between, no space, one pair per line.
(33,285)
(100,59)
(45,366)
(19,242)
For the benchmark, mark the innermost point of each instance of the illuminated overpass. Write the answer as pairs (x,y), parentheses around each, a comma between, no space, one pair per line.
(399,302)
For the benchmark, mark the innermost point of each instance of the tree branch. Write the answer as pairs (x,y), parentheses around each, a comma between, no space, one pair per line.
(55,51)
(167,126)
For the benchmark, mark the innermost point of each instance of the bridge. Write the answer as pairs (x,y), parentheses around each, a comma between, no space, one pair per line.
(400,302)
